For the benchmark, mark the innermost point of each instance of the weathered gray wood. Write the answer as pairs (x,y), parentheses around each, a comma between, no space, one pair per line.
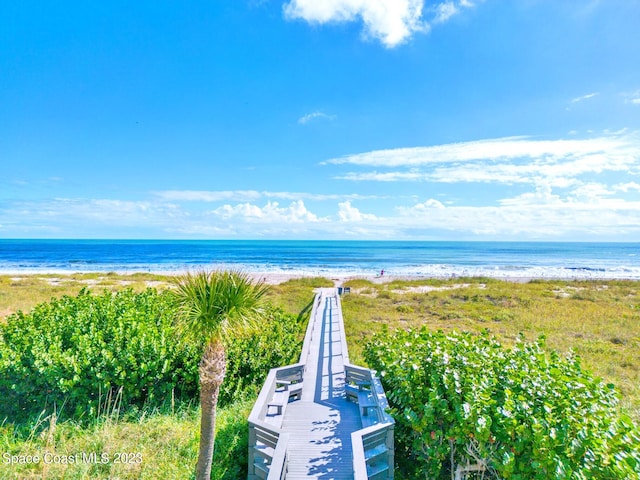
(321,423)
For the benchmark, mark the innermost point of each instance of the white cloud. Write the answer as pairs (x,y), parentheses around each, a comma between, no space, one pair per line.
(208,196)
(542,196)
(383,177)
(589,210)
(390,21)
(296,212)
(314,115)
(632,97)
(559,173)
(589,193)
(445,10)
(429,205)
(245,210)
(582,188)
(541,189)
(348,213)
(514,160)
(73,217)
(627,187)
(540,215)
(491,149)
(584,97)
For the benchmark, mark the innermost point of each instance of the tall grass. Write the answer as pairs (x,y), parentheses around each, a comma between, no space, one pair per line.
(151,445)
(23,292)
(295,295)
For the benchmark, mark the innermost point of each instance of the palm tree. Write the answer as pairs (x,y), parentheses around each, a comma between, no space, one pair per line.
(212,306)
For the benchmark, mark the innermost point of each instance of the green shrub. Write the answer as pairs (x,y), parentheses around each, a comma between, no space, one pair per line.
(404,308)
(249,358)
(93,354)
(87,353)
(526,414)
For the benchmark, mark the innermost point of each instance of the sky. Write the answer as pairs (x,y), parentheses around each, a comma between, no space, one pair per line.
(514,120)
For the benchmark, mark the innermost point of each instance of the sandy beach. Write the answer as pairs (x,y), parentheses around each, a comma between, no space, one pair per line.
(268,277)
(276,278)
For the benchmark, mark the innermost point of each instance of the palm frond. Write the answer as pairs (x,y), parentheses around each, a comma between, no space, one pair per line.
(215,304)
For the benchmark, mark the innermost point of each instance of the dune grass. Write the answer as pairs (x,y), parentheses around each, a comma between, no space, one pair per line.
(599,320)
(295,296)
(23,292)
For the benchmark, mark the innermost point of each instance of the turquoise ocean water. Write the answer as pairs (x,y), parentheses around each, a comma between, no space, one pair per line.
(440,259)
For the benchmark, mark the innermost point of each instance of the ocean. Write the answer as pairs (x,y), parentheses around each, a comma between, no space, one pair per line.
(345,258)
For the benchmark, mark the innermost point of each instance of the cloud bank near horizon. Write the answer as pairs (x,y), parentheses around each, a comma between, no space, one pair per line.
(559,189)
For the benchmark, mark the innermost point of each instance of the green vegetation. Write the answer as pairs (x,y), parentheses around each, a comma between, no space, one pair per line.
(296,296)
(166,441)
(23,292)
(108,373)
(249,357)
(599,321)
(461,399)
(74,355)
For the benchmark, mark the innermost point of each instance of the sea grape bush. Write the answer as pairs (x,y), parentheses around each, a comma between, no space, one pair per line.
(525,413)
(77,354)
(250,357)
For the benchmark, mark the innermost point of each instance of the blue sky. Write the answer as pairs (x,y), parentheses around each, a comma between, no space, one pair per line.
(320,119)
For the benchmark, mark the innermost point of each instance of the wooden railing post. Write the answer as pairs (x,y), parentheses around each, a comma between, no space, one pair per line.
(390,451)
(380,434)
(279,466)
(252,458)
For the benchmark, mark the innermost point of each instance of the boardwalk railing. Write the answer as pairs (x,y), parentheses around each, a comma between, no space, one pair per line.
(308,336)
(267,442)
(372,446)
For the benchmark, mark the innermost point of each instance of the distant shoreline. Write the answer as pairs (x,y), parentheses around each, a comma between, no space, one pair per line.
(339,278)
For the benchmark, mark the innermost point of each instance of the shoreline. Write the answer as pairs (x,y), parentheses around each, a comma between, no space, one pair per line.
(274,278)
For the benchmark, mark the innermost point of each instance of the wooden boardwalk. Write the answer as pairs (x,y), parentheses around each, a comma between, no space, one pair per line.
(319,424)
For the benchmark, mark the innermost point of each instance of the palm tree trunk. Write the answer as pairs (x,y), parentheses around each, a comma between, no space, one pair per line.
(213,367)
